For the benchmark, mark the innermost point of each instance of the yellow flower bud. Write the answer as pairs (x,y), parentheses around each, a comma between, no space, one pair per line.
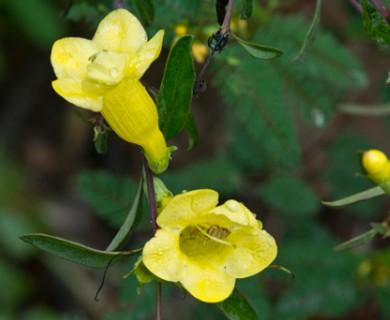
(377,166)
(199,52)
(180,30)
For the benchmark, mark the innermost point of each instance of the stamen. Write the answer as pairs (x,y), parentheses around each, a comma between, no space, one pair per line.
(227,243)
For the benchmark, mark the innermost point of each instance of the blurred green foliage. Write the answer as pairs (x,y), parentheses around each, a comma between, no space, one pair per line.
(262,159)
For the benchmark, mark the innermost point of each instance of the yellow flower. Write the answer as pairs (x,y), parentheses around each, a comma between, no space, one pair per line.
(206,247)
(103,75)
(377,166)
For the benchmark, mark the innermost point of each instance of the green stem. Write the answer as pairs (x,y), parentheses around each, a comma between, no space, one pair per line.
(153,218)
(151,195)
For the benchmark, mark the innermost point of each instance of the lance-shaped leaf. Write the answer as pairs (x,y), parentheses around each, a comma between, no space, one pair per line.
(247,8)
(237,307)
(124,233)
(374,24)
(259,51)
(361,196)
(192,132)
(311,32)
(357,241)
(175,95)
(75,252)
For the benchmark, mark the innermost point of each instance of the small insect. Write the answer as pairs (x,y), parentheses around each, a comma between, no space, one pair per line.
(218,232)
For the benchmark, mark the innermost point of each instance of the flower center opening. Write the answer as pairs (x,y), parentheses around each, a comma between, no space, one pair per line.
(203,240)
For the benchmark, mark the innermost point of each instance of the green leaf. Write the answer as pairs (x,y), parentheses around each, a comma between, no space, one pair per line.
(124,233)
(257,50)
(247,7)
(236,307)
(192,132)
(357,241)
(361,196)
(311,33)
(175,95)
(146,10)
(75,252)
(374,24)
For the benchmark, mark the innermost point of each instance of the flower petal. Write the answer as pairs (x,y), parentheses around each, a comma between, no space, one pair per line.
(186,207)
(207,283)
(162,256)
(70,57)
(120,31)
(252,254)
(107,67)
(130,111)
(72,92)
(145,56)
(237,213)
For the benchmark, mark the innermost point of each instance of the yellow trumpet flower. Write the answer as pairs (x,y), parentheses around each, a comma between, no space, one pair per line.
(103,75)
(206,247)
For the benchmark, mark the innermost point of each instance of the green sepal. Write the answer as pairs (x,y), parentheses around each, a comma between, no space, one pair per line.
(361,196)
(357,241)
(100,136)
(257,50)
(124,233)
(143,275)
(237,307)
(380,228)
(247,8)
(311,33)
(374,24)
(75,252)
(175,96)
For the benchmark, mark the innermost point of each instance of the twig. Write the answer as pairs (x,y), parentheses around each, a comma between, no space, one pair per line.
(158,300)
(385,13)
(220,38)
(356,5)
(225,28)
